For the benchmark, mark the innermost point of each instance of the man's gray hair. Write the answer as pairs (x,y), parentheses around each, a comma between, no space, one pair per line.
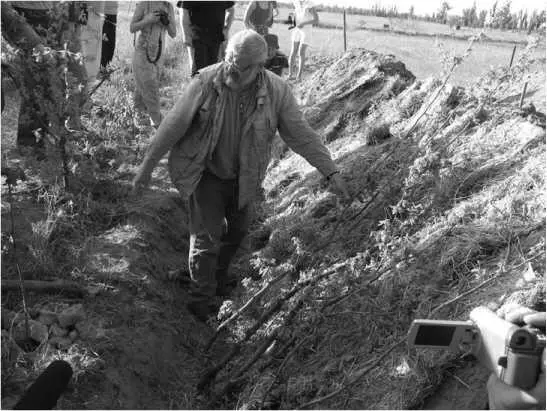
(246,47)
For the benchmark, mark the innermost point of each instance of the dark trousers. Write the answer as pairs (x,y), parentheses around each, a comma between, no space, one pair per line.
(217,228)
(205,54)
(109,39)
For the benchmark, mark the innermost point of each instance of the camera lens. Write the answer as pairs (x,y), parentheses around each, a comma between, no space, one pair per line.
(521,340)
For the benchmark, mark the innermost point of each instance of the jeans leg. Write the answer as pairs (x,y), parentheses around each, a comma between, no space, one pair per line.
(207,215)
(200,50)
(205,54)
(109,39)
(238,221)
(213,53)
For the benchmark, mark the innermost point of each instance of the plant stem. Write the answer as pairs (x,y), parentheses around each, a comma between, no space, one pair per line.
(21,285)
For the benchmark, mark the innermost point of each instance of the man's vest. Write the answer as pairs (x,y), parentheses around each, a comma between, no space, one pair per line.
(189,155)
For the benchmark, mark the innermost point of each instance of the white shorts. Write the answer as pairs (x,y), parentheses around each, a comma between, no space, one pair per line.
(301,35)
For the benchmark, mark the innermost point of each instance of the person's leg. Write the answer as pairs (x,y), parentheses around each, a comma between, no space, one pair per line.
(292,57)
(91,43)
(206,226)
(200,55)
(222,51)
(146,86)
(213,52)
(109,39)
(191,60)
(238,221)
(141,118)
(301,59)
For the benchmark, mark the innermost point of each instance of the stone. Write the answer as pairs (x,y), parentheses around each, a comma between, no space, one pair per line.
(86,331)
(34,313)
(71,316)
(47,317)
(61,343)
(57,331)
(73,335)
(93,290)
(37,331)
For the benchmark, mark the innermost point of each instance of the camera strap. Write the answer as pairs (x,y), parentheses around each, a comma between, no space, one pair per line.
(158,54)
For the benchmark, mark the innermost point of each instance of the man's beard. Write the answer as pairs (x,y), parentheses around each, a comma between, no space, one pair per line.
(232,83)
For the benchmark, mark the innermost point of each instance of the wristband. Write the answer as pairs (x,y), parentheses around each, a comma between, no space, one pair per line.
(331,174)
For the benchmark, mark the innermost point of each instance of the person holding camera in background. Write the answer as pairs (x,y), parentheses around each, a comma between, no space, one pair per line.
(152,19)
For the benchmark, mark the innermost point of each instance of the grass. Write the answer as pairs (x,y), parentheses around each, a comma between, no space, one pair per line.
(420,54)
(443,252)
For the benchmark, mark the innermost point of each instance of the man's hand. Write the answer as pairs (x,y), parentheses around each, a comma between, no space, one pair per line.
(502,396)
(140,182)
(340,186)
(151,18)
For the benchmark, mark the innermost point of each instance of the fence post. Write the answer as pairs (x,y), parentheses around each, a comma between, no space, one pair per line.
(523,94)
(345,41)
(512,56)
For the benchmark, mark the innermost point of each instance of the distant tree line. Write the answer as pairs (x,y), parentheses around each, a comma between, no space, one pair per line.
(499,16)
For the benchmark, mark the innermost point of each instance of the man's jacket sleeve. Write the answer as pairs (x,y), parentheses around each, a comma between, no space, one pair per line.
(175,124)
(299,135)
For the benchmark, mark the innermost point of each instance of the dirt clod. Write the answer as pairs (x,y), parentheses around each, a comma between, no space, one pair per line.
(71,315)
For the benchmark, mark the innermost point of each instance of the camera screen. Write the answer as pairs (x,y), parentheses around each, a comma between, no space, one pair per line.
(434,335)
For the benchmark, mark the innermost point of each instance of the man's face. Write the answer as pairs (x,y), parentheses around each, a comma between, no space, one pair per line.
(240,77)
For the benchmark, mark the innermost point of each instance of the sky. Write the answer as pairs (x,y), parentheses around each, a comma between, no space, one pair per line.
(422,7)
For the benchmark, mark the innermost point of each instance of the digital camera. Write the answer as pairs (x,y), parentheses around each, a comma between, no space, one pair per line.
(512,352)
(164,17)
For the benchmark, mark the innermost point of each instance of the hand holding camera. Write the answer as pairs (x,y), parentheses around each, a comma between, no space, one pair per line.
(513,348)
(502,396)
(163,17)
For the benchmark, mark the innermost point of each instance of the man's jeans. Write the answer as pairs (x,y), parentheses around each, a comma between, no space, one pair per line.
(205,54)
(217,228)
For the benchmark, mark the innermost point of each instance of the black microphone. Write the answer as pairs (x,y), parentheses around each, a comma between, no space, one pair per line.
(48,387)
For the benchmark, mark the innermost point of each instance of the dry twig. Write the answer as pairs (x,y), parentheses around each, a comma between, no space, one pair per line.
(355,378)
(210,374)
(69,287)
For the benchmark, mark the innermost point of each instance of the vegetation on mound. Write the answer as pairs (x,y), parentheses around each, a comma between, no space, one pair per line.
(449,207)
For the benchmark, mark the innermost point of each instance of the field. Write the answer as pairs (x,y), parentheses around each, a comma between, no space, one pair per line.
(446,213)
(422,54)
